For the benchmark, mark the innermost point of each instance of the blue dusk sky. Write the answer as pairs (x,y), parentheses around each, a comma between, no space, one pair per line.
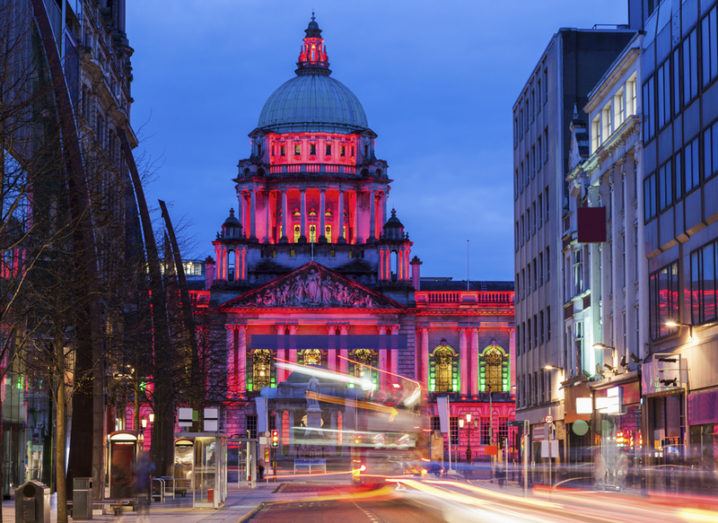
(437,81)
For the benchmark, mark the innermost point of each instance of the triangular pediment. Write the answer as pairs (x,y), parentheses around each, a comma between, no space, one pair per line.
(312,286)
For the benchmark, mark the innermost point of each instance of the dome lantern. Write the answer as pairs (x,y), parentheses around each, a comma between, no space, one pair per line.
(313,55)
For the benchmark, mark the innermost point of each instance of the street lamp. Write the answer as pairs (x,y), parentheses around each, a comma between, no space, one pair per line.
(152,417)
(468,447)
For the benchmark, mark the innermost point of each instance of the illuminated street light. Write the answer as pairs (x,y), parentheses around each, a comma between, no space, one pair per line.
(152,417)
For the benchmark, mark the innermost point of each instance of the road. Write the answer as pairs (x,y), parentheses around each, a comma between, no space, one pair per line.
(414,501)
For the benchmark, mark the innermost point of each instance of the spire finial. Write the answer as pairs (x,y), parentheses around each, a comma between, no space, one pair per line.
(313,16)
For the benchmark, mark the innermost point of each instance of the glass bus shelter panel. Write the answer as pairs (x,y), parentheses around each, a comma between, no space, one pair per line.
(205,471)
(183,466)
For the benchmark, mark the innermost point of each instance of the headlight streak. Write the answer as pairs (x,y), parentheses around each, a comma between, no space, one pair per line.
(364,384)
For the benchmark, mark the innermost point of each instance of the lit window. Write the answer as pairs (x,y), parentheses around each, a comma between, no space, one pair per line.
(328,233)
(343,151)
(297,233)
(312,233)
(619,108)
(631,96)
(364,357)
(297,149)
(595,133)
(312,357)
(443,375)
(493,370)
(606,126)
(261,369)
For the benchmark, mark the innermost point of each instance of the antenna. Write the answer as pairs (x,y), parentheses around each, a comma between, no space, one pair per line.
(467,264)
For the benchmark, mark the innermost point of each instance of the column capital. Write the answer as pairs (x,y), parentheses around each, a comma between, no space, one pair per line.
(395,330)
(231,326)
(344,330)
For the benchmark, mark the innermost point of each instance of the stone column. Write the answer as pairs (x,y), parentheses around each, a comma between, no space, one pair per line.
(281,373)
(332,351)
(232,363)
(267,216)
(241,209)
(372,215)
(303,214)
(474,371)
(292,345)
(285,214)
(512,361)
(355,219)
(253,214)
(344,352)
(424,376)
(383,360)
(463,361)
(400,264)
(322,219)
(242,358)
(394,355)
(407,256)
(382,211)
(381,263)
(340,210)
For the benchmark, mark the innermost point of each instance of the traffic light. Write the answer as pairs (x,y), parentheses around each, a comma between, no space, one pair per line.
(275,438)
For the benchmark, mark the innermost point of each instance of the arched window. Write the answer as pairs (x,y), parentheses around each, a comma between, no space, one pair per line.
(312,233)
(297,233)
(312,357)
(494,370)
(261,369)
(364,357)
(443,372)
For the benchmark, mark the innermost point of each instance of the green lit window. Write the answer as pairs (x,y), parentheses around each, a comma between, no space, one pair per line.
(262,373)
(365,357)
(494,372)
(297,233)
(443,369)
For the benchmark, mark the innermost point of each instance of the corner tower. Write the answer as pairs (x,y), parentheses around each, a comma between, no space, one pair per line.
(312,188)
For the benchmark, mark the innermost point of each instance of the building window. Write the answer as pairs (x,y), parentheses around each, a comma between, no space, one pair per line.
(312,148)
(545,145)
(691,166)
(297,233)
(678,183)
(709,47)
(665,186)
(619,108)
(595,133)
(454,430)
(545,85)
(328,149)
(548,323)
(250,425)
(364,357)
(606,123)
(485,425)
(261,370)
(443,371)
(690,67)
(297,149)
(282,150)
(649,197)
(311,357)
(328,233)
(663,293)
(664,94)
(494,370)
(703,284)
(312,233)
(710,151)
(647,101)
(677,80)
(343,151)
(631,93)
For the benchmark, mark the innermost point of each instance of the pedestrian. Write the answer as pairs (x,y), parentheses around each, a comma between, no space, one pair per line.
(260,470)
(143,483)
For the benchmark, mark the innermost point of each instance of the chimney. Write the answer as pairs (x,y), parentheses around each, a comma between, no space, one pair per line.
(416,272)
(208,272)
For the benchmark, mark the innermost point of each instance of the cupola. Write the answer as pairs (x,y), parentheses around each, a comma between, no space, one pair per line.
(231,228)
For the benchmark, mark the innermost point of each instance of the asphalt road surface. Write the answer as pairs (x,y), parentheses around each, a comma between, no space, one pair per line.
(348,511)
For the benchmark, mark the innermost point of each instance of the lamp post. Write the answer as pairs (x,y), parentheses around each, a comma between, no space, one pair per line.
(468,446)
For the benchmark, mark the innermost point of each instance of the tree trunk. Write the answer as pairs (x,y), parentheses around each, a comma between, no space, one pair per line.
(60,432)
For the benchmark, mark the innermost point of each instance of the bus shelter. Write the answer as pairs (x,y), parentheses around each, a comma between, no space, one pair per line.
(122,450)
(200,468)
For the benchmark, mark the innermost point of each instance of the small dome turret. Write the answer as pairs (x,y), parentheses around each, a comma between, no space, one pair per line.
(231,228)
(393,228)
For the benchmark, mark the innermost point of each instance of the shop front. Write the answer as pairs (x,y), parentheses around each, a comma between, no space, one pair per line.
(703,429)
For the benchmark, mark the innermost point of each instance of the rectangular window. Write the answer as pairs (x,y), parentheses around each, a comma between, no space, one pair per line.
(532,170)
(545,203)
(678,183)
(545,145)
(664,298)
(454,429)
(548,264)
(328,149)
(312,148)
(343,151)
(631,96)
(539,152)
(649,197)
(709,47)
(691,165)
(485,424)
(663,94)
(690,67)
(647,101)
(677,80)
(710,151)
(595,133)
(703,284)
(282,150)
(541,327)
(297,149)
(548,323)
(251,425)
(539,212)
(606,123)
(545,85)
(665,186)
(619,108)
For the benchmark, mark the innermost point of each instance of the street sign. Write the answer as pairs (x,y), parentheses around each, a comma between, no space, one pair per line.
(548,419)
(211,419)
(549,448)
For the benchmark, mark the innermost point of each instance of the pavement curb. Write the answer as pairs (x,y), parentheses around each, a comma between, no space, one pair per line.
(249,515)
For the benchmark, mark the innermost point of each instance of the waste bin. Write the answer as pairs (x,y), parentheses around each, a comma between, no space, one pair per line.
(81,498)
(32,503)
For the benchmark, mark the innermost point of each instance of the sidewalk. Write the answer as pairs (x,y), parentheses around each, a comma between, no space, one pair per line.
(241,502)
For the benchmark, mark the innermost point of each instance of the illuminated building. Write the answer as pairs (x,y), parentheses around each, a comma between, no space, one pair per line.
(605,277)
(313,255)
(680,158)
(573,61)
